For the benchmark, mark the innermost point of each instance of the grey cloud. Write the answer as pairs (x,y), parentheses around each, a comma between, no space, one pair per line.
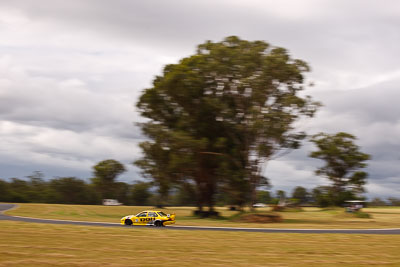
(328,25)
(374,103)
(68,103)
(48,149)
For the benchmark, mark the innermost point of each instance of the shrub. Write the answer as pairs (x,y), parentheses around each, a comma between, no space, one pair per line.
(360,214)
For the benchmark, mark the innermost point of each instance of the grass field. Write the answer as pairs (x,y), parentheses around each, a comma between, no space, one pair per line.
(385,217)
(30,244)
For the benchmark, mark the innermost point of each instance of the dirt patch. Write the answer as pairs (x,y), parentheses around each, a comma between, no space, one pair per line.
(260,218)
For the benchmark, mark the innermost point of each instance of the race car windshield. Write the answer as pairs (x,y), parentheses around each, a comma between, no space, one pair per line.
(162,213)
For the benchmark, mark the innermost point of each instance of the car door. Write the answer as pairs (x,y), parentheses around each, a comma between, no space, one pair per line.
(141,218)
(151,217)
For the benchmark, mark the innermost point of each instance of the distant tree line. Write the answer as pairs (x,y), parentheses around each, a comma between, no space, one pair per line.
(321,196)
(72,190)
(390,201)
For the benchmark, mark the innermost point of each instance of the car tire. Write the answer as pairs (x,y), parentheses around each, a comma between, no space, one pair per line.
(159,223)
(128,222)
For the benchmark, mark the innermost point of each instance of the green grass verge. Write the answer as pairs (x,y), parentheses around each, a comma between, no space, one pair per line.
(30,244)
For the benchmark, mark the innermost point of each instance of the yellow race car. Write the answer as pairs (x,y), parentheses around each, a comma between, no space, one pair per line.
(149,217)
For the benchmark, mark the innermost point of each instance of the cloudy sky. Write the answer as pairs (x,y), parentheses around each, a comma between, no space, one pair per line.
(71,73)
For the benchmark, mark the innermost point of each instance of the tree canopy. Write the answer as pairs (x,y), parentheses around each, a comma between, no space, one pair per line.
(216,116)
(105,172)
(343,161)
(300,193)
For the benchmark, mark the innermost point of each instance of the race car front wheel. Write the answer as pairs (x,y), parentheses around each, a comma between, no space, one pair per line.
(128,222)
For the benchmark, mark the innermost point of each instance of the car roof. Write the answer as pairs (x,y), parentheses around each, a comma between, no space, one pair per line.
(151,211)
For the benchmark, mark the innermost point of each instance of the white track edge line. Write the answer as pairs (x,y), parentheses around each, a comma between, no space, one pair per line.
(58,220)
(12,208)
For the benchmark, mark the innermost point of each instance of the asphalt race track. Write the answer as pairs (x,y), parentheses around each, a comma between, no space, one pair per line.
(4,207)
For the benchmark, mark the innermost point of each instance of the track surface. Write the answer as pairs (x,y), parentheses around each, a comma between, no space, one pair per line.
(4,207)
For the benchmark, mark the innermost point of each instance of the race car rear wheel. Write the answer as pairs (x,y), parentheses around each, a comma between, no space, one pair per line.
(158,223)
(128,222)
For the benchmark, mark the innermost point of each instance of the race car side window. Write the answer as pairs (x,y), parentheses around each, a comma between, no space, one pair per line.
(162,213)
(143,214)
(152,214)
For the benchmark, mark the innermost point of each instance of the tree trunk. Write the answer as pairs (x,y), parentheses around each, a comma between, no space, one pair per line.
(254,183)
(199,197)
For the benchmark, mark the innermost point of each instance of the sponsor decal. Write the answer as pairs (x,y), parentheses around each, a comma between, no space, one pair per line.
(147,219)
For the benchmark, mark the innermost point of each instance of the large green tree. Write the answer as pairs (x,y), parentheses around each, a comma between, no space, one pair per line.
(301,194)
(343,164)
(105,172)
(217,116)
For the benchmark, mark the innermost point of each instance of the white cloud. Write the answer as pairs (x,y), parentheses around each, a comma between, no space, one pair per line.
(382,189)
(288,173)
(43,146)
